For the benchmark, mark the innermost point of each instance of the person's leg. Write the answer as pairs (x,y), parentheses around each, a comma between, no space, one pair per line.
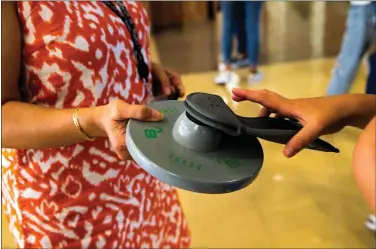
(352,50)
(241,59)
(228,24)
(371,80)
(364,167)
(252,26)
(240,29)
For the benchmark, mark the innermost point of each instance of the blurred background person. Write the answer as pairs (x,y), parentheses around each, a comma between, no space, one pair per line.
(251,20)
(359,37)
(240,59)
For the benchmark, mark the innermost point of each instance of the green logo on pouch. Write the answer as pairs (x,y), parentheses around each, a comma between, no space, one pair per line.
(230,162)
(169,110)
(153,133)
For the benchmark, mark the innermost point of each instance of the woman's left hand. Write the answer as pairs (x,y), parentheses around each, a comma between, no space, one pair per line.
(169,79)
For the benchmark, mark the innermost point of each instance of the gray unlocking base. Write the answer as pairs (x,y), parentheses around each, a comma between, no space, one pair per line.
(193,157)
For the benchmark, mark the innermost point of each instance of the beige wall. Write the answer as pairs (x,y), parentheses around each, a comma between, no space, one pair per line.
(176,13)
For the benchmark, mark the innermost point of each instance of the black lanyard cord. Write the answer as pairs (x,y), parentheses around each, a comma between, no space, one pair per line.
(142,67)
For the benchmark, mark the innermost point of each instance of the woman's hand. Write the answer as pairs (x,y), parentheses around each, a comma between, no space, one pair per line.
(169,80)
(111,121)
(319,116)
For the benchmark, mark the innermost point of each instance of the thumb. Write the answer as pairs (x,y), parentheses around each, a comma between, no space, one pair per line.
(302,139)
(143,113)
(162,77)
(116,136)
(166,84)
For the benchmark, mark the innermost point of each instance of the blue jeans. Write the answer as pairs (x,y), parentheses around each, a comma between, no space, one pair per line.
(360,34)
(252,10)
(239,31)
(371,81)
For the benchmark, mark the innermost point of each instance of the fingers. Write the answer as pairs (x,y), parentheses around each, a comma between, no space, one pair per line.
(303,138)
(268,99)
(117,139)
(160,74)
(265,112)
(176,81)
(121,111)
(263,97)
(237,99)
(278,116)
(143,113)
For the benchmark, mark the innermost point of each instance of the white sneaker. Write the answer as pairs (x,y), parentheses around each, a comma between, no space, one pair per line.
(227,77)
(371,223)
(254,77)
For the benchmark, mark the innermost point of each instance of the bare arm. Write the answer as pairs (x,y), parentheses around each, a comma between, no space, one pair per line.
(30,126)
(26,125)
(362,108)
(319,116)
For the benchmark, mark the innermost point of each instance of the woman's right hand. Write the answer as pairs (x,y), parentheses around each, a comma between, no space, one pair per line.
(111,120)
(319,116)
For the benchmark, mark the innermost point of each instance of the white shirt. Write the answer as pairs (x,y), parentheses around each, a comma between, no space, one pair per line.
(360,2)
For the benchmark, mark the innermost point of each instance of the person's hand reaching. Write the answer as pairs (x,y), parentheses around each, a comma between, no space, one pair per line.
(318,116)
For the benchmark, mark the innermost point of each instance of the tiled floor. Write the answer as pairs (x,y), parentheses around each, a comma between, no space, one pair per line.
(309,201)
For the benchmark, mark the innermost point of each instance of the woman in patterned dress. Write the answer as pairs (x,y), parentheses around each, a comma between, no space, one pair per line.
(60,187)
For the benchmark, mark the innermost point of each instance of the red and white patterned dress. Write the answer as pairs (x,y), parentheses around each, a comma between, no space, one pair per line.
(79,54)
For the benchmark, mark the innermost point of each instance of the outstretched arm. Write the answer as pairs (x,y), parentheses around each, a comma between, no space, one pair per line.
(319,116)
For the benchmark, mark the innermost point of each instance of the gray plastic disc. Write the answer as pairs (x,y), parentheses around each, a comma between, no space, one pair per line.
(193,157)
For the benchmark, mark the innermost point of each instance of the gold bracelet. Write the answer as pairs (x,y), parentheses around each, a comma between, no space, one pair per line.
(78,126)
